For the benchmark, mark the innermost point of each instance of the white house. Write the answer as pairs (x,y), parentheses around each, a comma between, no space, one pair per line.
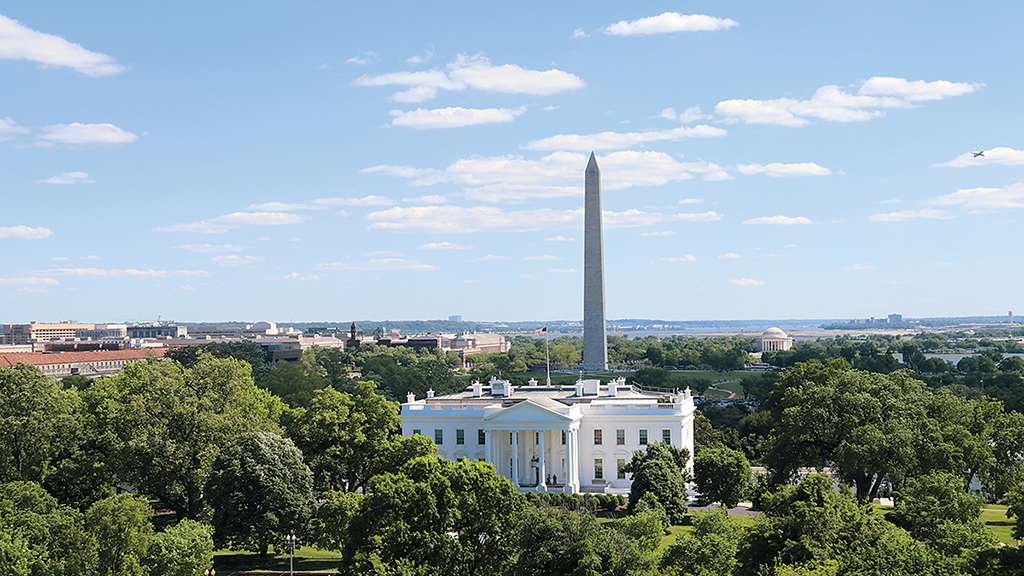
(569,438)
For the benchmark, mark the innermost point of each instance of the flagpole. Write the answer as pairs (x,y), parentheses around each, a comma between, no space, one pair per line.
(547,355)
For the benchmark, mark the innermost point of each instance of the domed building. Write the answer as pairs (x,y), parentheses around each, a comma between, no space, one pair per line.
(774,340)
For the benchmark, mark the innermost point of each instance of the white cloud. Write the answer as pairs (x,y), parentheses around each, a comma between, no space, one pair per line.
(285,207)
(549,108)
(691,201)
(998,155)
(579,33)
(78,133)
(691,114)
(444,246)
(514,178)
(453,117)
(188,288)
(663,233)
(380,265)
(198,273)
(370,200)
(528,276)
(213,248)
(90,257)
(9,126)
(67,178)
(457,219)
(746,282)
(363,58)
(779,170)
(835,103)
(780,220)
(297,276)
(892,201)
(705,217)
(620,140)
(28,281)
(102,273)
(979,200)
(670,22)
(559,239)
(860,267)
(428,199)
(544,257)
(260,218)
(729,256)
(687,258)
(564,270)
(903,215)
(236,260)
(60,258)
(417,59)
(18,42)
(489,258)
(473,72)
(24,233)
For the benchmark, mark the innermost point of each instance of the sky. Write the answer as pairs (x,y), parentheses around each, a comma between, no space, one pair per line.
(330,161)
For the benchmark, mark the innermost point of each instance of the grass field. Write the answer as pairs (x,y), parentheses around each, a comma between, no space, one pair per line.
(306,560)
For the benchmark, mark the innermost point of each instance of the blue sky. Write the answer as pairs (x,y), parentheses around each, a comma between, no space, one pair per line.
(331,161)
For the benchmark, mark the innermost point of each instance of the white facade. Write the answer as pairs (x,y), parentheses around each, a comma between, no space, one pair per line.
(553,438)
(774,340)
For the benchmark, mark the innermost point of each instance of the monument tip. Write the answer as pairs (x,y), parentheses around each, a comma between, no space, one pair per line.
(592,165)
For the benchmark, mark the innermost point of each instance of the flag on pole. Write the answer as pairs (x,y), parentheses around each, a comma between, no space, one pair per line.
(541,331)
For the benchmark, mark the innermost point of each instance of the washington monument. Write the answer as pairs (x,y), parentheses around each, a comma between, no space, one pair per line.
(595,340)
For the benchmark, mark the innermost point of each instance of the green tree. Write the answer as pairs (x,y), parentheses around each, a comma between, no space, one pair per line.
(295,384)
(39,423)
(660,471)
(559,542)
(722,475)
(184,549)
(165,424)
(352,437)
(710,550)
(39,532)
(260,491)
(122,529)
(436,517)
(937,510)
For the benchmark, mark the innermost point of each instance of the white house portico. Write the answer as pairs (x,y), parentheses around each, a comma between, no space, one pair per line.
(566,438)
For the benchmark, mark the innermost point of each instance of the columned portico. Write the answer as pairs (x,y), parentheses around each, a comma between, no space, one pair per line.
(529,449)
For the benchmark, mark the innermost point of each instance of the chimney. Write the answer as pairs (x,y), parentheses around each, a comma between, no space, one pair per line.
(411,398)
(430,393)
(478,389)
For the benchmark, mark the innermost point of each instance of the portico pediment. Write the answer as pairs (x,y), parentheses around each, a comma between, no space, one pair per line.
(527,411)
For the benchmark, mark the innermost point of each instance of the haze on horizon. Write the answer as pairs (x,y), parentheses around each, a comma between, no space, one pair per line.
(386,160)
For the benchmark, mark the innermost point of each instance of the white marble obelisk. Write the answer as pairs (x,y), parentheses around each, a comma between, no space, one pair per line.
(595,338)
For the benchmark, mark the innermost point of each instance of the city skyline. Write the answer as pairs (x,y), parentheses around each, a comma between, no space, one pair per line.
(400,161)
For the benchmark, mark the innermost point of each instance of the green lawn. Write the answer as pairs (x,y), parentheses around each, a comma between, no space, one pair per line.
(306,559)
(999,524)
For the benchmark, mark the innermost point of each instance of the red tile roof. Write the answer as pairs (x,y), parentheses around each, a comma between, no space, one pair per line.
(10,359)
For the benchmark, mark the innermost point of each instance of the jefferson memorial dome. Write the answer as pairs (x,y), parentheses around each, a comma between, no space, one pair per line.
(774,340)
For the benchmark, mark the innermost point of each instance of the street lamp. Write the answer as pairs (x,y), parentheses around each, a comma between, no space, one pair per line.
(290,540)
(209,572)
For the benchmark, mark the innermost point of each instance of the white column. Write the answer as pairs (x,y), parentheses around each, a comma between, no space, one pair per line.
(488,457)
(574,457)
(566,480)
(515,458)
(542,485)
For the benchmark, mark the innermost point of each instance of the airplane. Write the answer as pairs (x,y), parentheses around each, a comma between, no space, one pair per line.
(976,154)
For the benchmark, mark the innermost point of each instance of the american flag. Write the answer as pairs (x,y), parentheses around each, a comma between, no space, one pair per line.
(541,331)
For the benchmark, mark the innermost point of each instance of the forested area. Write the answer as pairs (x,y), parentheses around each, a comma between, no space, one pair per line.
(225,451)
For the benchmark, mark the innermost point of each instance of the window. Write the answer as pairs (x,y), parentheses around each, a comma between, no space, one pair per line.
(597,437)
(460,436)
(666,436)
(598,469)
(563,437)
(620,437)
(438,437)
(481,437)
(619,464)
(415,431)
(643,437)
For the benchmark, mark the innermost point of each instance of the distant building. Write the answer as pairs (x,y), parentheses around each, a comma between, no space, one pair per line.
(895,318)
(101,331)
(455,318)
(566,438)
(36,331)
(774,340)
(136,331)
(91,364)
